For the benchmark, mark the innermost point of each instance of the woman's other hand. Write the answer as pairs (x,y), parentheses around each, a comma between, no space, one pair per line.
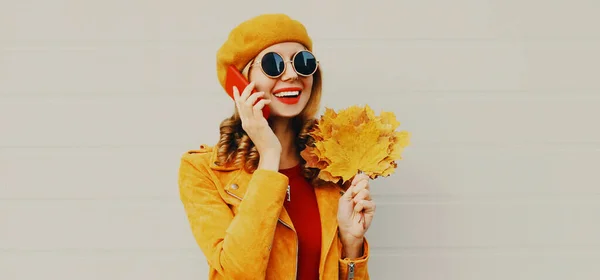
(356,210)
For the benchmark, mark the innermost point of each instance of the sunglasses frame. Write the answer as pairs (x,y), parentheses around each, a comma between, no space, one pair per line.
(285,63)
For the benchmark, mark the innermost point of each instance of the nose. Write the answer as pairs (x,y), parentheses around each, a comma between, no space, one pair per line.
(289,73)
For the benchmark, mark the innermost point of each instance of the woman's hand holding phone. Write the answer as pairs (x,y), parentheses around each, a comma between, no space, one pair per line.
(257,127)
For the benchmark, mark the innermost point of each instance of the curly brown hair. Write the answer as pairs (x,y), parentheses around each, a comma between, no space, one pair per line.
(236,148)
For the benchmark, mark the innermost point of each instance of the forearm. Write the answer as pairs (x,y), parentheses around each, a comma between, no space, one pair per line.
(259,210)
(252,229)
(236,246)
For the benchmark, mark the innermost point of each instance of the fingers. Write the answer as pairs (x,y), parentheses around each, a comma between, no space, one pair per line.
(362,185)
(360,195)
(247,91)
(259,106)
(236,93)
(252,99)
(366,210)
(349,193)
(359,178)
(365,205)
(354,189)
(364,194)
(236,97)
(246,102)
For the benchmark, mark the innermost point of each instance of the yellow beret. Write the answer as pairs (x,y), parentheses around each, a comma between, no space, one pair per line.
(250,37)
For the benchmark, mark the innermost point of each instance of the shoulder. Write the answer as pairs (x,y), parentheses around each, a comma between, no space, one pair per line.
(198,165)
(200,157)
(202,151)
(204,158)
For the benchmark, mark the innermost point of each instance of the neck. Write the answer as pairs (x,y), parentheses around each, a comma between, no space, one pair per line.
(282,127)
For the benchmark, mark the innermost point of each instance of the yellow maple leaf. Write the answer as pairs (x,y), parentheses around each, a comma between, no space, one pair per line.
(354,140)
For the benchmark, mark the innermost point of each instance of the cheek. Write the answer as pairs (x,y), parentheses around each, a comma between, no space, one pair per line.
(308,83)
(261,82)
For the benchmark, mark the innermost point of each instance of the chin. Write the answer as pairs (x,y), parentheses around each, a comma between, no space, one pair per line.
(288,114)
(281,110)
(287,111)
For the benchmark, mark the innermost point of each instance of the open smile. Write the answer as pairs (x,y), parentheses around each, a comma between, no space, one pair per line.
(289,95)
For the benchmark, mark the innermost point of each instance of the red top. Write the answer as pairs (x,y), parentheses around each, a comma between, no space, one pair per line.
(304,213)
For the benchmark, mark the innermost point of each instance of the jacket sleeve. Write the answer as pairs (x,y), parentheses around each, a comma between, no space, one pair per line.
(356,269)
(237,247)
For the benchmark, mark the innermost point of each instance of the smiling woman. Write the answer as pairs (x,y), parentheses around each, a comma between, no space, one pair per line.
(290,87)
(255,209)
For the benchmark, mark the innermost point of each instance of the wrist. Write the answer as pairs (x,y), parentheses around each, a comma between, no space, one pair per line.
(269,160)
(350,239)
(352,247)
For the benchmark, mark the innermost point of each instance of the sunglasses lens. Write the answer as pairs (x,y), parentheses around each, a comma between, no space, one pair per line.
(272,64)
(305,63)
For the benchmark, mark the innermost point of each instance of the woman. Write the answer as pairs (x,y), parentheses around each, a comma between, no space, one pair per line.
(254,209)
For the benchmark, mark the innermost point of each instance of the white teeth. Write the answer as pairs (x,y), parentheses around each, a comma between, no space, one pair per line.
(287,93)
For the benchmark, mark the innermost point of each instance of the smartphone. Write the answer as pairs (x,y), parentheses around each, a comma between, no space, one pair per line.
(235,78)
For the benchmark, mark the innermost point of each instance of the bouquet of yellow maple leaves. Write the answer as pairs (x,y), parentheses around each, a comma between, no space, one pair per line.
(355,140)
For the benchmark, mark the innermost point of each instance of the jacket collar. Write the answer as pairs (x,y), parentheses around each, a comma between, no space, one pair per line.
(213,159)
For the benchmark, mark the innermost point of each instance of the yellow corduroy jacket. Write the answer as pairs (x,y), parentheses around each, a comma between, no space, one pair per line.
(239,222)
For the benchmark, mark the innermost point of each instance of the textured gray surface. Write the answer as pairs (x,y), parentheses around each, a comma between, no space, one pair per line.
(98,99)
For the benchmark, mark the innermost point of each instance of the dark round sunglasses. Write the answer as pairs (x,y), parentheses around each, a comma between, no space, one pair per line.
(303,62)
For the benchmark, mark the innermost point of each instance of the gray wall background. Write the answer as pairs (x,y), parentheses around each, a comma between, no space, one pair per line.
(98,99)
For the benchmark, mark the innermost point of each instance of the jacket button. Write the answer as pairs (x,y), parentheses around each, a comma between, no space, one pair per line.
(234,186)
